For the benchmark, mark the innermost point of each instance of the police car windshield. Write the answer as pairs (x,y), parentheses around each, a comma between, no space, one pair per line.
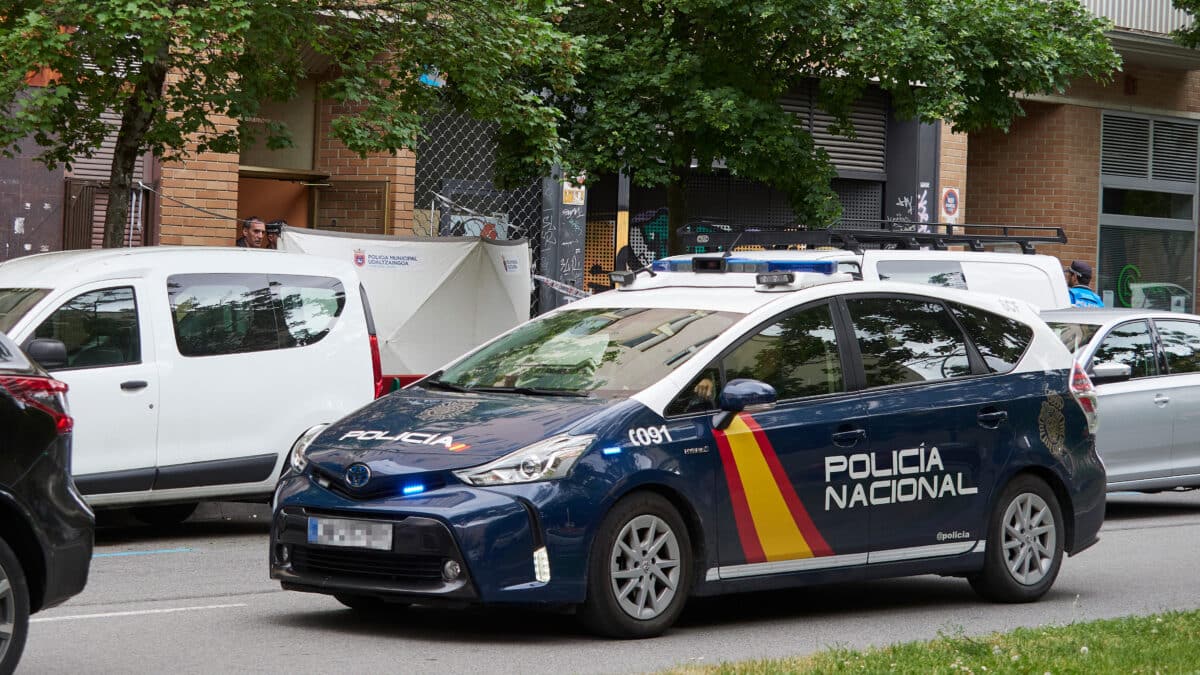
(603,351)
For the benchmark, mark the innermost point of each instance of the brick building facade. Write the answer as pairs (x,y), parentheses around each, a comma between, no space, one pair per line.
(1114,165)
(332,188)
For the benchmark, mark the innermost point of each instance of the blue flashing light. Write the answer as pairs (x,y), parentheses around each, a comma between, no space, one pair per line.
(671,266)
(716,264)
(414,489)
(615,450)
(815,266)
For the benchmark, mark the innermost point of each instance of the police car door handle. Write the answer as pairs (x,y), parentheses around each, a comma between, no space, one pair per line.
(990,418)
(1160,400)
(134,385)
(849,438)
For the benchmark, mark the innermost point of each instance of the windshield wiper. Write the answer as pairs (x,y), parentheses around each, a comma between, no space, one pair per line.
(533,391)
(442,384)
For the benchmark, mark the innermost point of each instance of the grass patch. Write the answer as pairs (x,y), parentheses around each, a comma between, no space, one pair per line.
(1163,643)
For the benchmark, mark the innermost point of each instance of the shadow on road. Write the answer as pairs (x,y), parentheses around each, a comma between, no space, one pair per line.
(472,625)
(212,519)
(508,626)
(1131,505)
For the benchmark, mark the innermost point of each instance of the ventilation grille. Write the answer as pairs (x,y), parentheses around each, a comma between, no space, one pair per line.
(1174,152)
(1137,147)
(1126,148)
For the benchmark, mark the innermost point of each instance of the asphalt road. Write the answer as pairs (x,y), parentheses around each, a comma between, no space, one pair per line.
(196,599)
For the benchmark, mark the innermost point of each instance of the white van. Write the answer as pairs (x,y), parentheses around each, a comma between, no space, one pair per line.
(1035,278)
(192,370)
(924,257)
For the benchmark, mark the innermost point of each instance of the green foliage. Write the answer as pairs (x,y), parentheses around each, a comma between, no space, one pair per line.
(669,81)
(1165,643)
(1189,36)
(224,58)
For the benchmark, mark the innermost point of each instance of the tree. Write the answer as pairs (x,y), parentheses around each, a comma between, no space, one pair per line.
(1189,36)
(671,84)
(174,69)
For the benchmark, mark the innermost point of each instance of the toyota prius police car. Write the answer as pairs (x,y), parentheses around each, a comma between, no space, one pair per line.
(717,424)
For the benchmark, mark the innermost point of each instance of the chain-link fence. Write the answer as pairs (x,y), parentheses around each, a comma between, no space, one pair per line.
(455,192)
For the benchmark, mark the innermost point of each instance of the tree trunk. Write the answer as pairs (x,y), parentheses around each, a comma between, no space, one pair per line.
(676,209)
(140,109)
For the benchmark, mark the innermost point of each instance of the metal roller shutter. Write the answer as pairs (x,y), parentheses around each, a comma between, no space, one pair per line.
(98,166)
(867,151)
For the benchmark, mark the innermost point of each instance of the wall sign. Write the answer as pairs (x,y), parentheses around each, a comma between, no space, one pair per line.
(950,204)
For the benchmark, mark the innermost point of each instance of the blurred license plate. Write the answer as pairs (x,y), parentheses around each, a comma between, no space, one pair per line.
(350,533)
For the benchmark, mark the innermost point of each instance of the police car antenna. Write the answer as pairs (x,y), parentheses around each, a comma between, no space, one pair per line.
(729,251)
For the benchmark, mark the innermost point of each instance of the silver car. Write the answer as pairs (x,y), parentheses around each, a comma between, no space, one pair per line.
(1146,367)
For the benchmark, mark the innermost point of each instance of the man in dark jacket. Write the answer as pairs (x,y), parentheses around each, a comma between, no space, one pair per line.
(253,231)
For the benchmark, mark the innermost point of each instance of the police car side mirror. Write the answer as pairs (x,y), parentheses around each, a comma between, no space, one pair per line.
(1110,372)
(743,395)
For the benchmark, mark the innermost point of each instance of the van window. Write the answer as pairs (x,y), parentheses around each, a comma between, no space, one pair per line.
(310,306)
(217,314)
(99,328)
(946,273)
(907,340)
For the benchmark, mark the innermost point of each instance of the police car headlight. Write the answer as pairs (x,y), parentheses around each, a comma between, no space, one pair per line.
(549,459)
(296,458)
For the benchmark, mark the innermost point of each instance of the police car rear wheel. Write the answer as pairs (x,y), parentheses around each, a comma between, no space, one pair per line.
(1025,543)
(14,609)
(640,571)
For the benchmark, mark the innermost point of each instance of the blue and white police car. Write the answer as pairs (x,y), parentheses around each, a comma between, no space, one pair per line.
(717,424)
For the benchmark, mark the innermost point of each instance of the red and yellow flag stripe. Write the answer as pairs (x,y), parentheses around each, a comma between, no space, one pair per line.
(771,522)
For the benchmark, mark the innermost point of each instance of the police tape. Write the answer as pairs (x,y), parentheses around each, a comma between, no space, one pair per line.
(565,289)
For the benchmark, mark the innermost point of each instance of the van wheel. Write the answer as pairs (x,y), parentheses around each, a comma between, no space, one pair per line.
(640,569)
(14,609)
(1024,544)
(165,515)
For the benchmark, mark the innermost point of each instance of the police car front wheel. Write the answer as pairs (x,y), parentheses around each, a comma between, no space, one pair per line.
(1025,543)
(640,569)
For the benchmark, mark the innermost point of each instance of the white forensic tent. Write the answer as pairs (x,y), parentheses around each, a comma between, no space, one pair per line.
(432,299)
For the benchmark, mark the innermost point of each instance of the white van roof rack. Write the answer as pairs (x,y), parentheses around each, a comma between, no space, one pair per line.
(853,233)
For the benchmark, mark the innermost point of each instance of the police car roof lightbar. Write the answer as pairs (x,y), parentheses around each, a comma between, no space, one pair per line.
(854,233)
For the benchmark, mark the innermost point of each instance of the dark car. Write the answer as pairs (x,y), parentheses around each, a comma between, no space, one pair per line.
(46,528)
(728,424)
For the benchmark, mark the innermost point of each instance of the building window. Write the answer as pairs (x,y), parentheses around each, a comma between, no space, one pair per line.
(1148,211)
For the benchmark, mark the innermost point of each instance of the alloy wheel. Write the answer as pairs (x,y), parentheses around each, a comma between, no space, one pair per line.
(1029,539)
(8,612)
(644,567)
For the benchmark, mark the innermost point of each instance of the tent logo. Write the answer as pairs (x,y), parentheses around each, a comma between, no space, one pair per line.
(360,257)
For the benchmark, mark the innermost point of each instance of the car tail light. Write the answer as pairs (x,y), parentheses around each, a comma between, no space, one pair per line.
(45,394)
(376,366)
(1085,395)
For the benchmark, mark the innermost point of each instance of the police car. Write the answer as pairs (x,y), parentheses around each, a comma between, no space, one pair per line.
(718,423)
